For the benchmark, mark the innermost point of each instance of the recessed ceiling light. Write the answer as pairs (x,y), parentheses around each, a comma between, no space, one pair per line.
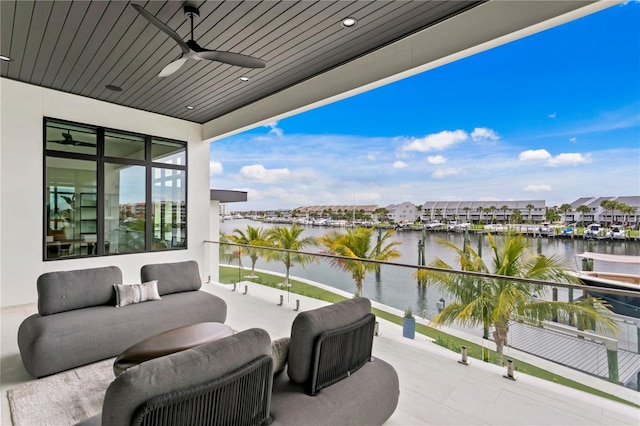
(349,22)
(190,107)
(244,78)
(4,58)
(113,88)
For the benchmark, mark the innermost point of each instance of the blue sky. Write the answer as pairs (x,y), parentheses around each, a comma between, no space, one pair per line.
(554,116)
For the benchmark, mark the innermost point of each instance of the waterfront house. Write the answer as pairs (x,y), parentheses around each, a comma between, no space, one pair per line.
(85,116)
(402,213)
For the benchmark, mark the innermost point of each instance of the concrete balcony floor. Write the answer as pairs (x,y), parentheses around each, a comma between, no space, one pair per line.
(434,388)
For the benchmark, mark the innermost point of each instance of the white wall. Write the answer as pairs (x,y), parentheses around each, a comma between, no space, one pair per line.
(22,109)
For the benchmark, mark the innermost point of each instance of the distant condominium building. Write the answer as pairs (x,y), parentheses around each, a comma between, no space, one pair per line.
(532,211)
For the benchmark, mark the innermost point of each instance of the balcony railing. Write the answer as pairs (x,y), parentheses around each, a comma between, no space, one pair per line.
(567,339)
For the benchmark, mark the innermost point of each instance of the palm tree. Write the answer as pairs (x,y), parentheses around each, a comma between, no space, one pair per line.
(253,237)
(495,301)
(504,213)
(530,207)
(488,210)
(357,244)
(382,213)
(627,211)
(288,238)
(466,210)
(583,210)
(564,209)
(229,253)
(516,216)
(492,210)
(608,205)
(551,215)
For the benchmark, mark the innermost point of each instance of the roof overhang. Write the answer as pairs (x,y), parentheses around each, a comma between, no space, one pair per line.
(483,27)
(227,196)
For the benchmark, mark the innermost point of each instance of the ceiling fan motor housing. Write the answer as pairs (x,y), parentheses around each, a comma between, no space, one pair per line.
(191,12)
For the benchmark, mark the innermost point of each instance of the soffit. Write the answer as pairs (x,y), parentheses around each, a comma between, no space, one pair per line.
(80,47)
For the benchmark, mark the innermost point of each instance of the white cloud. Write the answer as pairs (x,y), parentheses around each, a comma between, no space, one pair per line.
(257,172)
(215,168)
(371,157)
(445,172)
(437,141)
(534,155)
(274,129)
(570,159)
(481,134)
(436,159)
(537,188)
(574,140)
(559,160)
(553,115)
(400,165)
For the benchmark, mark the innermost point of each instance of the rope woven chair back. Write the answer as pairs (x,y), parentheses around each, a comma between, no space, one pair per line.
(340,352)
(240,398)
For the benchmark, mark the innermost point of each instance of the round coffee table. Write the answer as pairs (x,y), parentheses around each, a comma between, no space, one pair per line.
(168,342)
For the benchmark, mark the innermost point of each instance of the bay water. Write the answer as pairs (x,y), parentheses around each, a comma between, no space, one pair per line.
(395,286)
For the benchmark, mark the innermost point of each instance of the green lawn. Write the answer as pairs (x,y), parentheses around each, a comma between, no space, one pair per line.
(230,275)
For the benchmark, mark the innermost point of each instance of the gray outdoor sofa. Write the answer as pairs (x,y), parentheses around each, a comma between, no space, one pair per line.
(78,323)
(329,378)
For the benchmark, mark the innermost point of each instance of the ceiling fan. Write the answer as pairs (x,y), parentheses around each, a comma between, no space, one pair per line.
(191,49)
(67,139)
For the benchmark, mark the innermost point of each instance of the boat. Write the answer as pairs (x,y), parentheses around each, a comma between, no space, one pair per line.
(622,304)
(592,231)
(617,232)
(569,230)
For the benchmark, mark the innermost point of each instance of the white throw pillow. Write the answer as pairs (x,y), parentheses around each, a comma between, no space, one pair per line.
(127,294)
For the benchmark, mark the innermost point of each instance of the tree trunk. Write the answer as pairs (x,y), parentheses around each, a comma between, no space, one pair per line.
(485,335)
(500,338)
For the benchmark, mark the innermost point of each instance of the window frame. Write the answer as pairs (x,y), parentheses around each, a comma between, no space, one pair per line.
(100,160)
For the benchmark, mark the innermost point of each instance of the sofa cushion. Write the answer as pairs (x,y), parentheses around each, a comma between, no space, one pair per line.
(128,294)
(308,325)
(173,277)
(279,353)
(367,397)
(68,290)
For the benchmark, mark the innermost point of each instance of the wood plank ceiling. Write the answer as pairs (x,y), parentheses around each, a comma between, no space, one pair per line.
(80,47)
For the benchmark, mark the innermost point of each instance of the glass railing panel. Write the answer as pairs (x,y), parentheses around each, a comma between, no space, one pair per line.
(561,338)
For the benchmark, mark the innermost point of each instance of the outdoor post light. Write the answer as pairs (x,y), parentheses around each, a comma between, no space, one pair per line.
(463,352)
(509,374)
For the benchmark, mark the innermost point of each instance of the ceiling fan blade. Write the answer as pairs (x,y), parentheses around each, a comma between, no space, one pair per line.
(231,58)
(162,27)
(172,67)
(73,143)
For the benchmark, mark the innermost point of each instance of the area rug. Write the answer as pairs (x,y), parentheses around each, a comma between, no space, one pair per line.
(62,399)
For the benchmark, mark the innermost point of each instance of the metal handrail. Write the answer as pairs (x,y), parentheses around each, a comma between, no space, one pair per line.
(452,271)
